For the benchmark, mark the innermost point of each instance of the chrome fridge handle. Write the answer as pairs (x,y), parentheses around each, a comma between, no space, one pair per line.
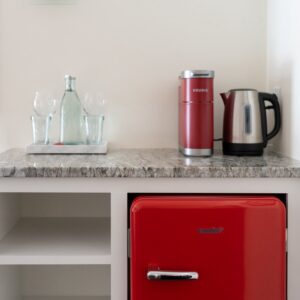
(171,275)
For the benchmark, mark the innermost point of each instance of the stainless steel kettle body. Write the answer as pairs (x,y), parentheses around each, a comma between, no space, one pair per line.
(245,121)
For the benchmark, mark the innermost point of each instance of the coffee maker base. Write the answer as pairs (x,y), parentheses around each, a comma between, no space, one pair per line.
(243,149)
(196,152)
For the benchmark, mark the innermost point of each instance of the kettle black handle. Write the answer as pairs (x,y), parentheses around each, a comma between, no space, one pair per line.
(263,97)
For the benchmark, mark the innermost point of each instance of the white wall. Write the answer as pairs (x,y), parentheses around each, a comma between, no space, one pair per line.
(133,51)
(284,69)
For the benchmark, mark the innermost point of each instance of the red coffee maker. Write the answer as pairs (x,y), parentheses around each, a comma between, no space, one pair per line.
(196,113)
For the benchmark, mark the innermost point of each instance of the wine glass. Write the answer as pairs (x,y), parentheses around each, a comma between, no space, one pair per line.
(94,106)
(44,107)
(44,104)
(94,103)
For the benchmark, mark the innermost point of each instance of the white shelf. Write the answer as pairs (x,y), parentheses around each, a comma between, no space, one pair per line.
(59,241)
(66,298)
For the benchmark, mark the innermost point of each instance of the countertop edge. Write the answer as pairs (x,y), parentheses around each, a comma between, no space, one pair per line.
(145,163)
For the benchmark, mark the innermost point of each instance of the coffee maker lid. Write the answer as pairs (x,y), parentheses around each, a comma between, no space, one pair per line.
(197,74)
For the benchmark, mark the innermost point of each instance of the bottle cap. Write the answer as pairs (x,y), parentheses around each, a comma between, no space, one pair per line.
(70,77)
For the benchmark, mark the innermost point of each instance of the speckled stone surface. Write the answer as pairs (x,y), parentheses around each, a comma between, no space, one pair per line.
(146,163)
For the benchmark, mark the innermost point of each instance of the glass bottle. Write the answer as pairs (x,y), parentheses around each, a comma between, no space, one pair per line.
(71,122)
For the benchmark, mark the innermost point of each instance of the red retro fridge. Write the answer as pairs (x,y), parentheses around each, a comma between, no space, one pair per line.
(207,248)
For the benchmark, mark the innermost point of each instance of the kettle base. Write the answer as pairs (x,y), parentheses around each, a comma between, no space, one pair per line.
(243,149)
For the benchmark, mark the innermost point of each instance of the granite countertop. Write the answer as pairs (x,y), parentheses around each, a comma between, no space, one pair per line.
(146,163)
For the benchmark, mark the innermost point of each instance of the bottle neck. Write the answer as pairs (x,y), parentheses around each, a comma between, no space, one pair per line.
(70,84)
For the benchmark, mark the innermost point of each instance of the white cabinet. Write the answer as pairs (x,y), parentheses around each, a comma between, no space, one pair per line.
(66,238)
(55,246)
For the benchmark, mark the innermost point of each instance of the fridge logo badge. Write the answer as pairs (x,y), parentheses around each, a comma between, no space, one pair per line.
(211,230)
(200,90)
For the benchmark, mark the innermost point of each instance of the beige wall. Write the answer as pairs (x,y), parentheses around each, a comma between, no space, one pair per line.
(133,51)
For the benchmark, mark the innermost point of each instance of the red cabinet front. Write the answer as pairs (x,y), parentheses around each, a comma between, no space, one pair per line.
(207,248)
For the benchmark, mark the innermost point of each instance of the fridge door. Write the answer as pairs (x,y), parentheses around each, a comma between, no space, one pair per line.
(207,248)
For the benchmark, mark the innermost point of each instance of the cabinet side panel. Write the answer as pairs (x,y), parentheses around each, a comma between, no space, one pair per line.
(65,205)
(9,283)
(9,212)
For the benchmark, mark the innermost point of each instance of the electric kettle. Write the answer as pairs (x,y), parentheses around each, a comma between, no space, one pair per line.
(245,121)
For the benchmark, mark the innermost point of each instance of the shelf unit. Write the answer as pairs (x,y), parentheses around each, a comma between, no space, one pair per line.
(20,198)
(55,246)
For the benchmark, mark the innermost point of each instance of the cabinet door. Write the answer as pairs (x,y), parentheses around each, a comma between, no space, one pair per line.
(207,247)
